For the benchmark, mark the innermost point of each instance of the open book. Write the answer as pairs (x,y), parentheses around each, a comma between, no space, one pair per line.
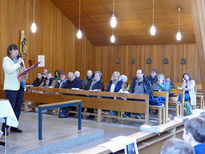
(28,70)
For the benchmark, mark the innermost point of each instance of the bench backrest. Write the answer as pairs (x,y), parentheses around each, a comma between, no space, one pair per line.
(98,100)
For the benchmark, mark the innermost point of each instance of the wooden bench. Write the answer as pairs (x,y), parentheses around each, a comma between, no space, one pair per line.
(162,110)
(179,106)
(96,100)
(49,96)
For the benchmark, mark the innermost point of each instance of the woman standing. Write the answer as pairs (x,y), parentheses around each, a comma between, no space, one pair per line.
(14,86)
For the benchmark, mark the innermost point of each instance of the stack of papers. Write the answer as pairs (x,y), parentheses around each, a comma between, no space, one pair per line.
(181,118)
(118,143)
(198,112)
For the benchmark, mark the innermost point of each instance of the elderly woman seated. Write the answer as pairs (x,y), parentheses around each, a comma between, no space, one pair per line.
(161,85)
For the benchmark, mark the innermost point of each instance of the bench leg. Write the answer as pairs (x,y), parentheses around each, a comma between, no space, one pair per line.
(25,106)
(201,103)
(159,116)
(99,117)
(177,110)
(163,116)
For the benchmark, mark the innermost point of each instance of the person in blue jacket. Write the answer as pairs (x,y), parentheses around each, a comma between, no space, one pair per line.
(161,85)
(194,133)
(115,84)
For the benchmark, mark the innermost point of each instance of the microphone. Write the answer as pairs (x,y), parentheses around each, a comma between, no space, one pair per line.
(18,56)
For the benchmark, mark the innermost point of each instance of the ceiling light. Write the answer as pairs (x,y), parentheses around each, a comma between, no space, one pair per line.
(179,35)
(79,33)
(33,26)
(112,38)
(113,20)
(153,28)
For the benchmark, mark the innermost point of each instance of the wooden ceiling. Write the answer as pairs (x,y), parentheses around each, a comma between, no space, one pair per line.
(134,20)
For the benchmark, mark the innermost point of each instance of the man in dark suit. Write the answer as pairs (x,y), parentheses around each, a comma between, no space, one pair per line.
(73,82)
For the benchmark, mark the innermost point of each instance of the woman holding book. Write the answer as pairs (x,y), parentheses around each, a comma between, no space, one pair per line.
(14,86)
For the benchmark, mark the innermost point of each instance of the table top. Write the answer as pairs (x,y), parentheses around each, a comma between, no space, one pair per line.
(7,112)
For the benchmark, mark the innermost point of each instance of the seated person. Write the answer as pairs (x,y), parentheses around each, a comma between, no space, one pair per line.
(194,133)
(73,82)
(153,76)
(77,74)
(124,88)
(176,146)
(188,86)
(63,112)
(114,84)
(124,79)
(45,71)
(87,79)
(37,82)
(49,81)
(96,83)
(168,80)
(62,82)
(140,85)
(161,85)
(57,75)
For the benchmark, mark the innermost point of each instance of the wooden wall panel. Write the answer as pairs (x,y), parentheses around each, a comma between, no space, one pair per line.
(55,37)
(105,58)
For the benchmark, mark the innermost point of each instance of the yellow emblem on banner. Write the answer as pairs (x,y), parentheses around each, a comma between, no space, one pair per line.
(23,44)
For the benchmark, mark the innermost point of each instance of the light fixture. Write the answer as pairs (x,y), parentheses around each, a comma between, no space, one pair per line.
(79,33)
(33,26)
(179,35)
(113,20)
(153,28)
(112,38)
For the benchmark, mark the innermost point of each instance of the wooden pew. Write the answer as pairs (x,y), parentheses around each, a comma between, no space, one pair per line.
(179,106)
(162,110)
(97,102)
(117,105)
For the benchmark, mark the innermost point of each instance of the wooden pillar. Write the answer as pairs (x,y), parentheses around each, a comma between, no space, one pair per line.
(198,17)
